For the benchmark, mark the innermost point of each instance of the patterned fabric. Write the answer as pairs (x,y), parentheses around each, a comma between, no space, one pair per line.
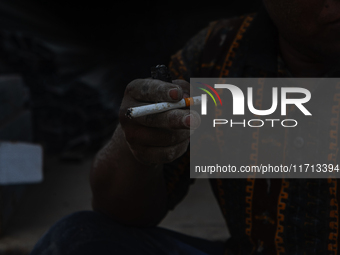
(264,216)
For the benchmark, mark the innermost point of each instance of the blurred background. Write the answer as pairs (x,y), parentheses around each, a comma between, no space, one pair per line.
(64,66)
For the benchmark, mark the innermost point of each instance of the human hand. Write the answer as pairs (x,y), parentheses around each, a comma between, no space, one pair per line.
(157,138)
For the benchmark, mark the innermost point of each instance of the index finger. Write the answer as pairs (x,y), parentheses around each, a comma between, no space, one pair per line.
(150,90)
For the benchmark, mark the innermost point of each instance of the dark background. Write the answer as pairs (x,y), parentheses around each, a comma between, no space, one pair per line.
(133,32)
(64,66)
(54,45)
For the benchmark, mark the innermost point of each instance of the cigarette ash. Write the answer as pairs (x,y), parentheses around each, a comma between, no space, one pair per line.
(128,113)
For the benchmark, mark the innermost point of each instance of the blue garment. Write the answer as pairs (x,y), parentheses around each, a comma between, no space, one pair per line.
(92,233)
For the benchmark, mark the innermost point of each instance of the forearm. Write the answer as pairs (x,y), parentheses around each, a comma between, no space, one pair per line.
(124,188)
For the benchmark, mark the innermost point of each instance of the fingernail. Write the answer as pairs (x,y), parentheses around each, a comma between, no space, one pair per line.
(186,120)
(173,93)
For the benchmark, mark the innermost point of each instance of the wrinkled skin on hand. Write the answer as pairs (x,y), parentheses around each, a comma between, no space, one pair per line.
(163,137)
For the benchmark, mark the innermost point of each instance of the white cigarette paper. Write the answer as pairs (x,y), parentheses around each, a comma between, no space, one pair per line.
(161,107)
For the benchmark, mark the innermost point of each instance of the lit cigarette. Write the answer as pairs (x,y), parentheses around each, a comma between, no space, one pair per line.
(161,107)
